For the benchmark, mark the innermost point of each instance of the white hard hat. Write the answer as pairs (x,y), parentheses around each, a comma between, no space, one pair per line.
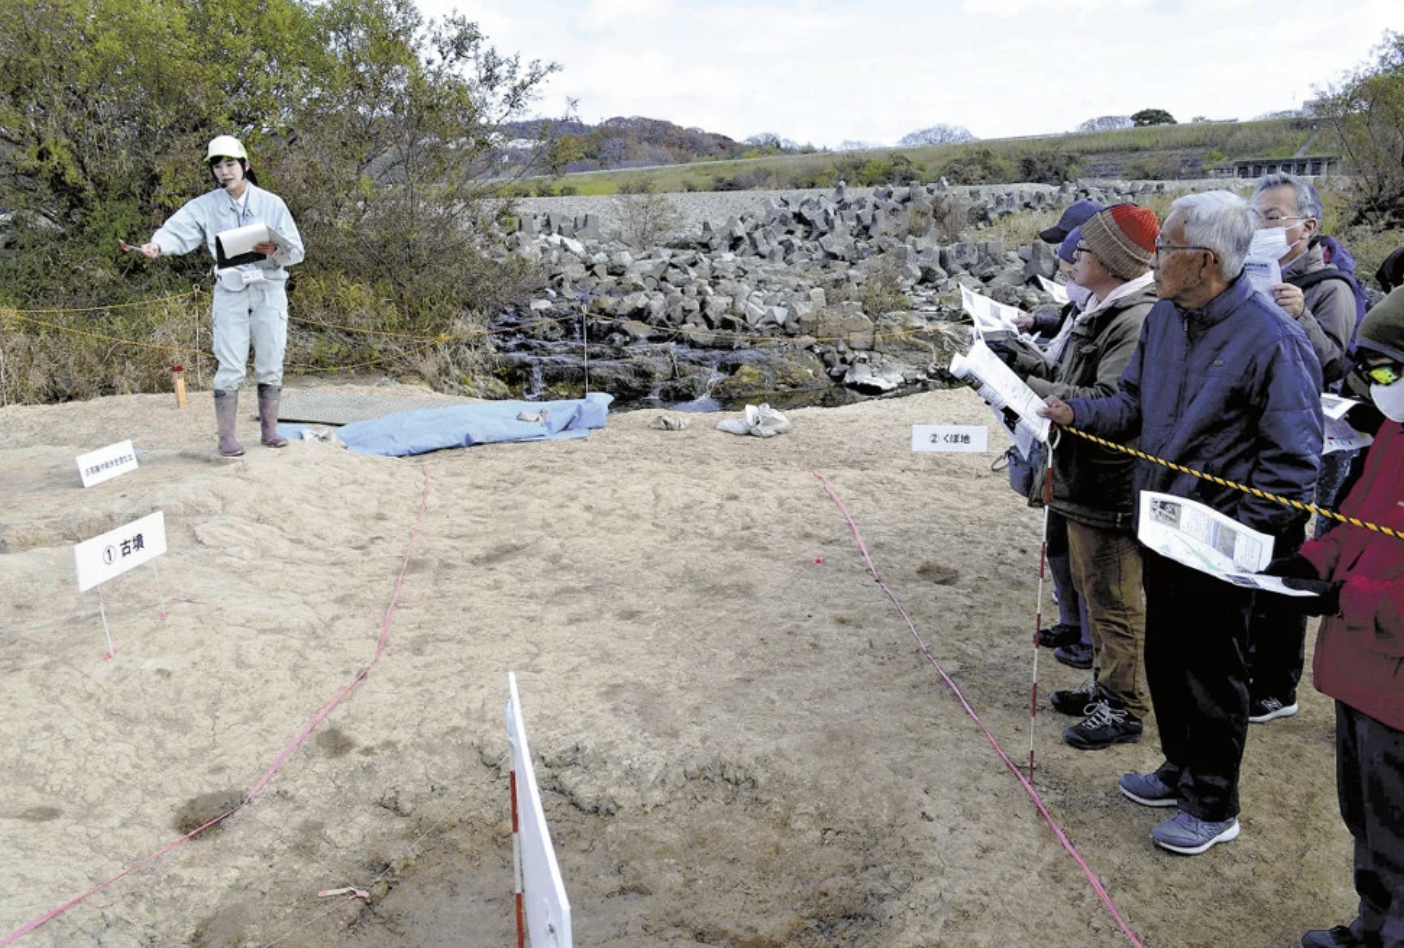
(225,146)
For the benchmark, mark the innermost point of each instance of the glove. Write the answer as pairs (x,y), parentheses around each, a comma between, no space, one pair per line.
(1003,350)
(1295,566)
(1021,357)
(1327,593)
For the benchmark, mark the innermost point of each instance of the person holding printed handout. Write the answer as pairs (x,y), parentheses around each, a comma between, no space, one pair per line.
(250,296)
(1321,300)
(1092,484)
(1221,383)
(1358,577)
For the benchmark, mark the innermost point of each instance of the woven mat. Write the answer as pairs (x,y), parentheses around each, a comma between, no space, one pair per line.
(332,408)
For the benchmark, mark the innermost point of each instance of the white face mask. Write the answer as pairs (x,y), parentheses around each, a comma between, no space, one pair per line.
(1270,243)
(1077,294)
(1389,399)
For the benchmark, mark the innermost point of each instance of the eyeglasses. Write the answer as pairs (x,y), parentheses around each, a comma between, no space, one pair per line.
(1386,373)
(1081,249)
(1271,218)
(1162,247)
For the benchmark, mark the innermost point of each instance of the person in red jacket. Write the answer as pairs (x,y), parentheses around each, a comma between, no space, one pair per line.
(1358,576)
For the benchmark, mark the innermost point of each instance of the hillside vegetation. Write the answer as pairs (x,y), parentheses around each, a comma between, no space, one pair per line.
(1156,152)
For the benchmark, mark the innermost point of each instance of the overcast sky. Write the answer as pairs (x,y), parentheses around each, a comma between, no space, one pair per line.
(826,71)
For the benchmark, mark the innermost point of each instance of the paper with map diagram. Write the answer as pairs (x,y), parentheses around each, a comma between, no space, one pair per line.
(1204,539)
(1014,403)
(988,315)
(1340,436)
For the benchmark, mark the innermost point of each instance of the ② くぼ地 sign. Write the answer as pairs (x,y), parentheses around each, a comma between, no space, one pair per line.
(963,439)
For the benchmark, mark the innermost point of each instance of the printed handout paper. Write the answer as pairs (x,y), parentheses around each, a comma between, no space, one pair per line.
(1204,539)
(1014,403)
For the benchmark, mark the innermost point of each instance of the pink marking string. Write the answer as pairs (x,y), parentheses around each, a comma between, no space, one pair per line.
(1013,768)
(50,915)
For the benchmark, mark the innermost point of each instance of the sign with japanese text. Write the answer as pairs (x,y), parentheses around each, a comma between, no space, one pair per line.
(106,463)
(967,439)
(119,550)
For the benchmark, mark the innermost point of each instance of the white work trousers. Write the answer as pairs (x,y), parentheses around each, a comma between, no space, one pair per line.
(258,312)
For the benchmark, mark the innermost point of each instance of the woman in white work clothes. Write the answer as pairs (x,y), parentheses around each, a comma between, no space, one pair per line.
(250,299)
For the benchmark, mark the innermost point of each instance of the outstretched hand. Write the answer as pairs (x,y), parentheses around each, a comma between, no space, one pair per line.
(1057,411)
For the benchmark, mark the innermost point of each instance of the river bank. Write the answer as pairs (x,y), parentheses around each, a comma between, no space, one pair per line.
(739,742)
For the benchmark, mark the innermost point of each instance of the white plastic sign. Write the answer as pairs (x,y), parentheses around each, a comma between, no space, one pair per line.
(964,439)
(106,463)
(119,550)
(544,895)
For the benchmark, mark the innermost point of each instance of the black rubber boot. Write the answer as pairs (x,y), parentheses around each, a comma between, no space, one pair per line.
(268,396)
(226,413)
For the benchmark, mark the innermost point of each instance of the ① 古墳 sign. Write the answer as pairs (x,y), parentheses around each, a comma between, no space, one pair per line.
(116,551)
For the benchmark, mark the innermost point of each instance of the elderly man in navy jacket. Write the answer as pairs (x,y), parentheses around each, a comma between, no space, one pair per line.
(1223,383)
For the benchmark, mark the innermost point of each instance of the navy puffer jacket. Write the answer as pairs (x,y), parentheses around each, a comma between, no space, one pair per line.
(1231,390)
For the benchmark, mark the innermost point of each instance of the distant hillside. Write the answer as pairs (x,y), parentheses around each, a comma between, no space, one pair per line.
(1160,152)
(620,142)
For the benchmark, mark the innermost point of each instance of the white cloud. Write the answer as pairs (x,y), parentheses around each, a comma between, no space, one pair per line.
(600,15)
(1006,9)
(829,70)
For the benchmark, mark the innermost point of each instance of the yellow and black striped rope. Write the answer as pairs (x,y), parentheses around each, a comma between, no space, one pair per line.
(1222,482)
(24,313)
(105,338)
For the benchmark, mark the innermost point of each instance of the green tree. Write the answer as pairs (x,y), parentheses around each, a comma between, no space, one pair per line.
(561,152)
(377,127)
(1366,111)
(1152,117)
(1049,167)
(105,107)
(978,166)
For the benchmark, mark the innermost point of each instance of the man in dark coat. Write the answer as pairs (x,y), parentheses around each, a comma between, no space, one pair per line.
(1220,383)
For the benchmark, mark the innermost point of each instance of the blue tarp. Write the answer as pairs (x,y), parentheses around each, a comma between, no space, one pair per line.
(432,429)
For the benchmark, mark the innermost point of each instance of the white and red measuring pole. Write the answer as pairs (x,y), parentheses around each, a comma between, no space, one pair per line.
(1038,611)
(517,860)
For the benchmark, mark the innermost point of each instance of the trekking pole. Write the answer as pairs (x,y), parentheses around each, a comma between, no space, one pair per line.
(1038,610)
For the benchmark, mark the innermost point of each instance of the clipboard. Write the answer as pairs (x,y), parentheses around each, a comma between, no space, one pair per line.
(234,247)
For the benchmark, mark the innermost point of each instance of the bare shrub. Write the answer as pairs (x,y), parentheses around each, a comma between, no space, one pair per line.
(919,218)
(646,218)
(950,216)
(882,293)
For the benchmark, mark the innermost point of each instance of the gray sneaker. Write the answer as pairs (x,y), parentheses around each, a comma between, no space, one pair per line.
(1190,836)
(1270,709)
(1342,936)
(1148,790)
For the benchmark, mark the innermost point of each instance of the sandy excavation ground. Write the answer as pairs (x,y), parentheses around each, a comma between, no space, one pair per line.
(739,741)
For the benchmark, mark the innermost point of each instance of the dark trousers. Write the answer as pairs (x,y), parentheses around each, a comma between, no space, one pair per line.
(1277,633)
(1196,646)
(1370,784)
